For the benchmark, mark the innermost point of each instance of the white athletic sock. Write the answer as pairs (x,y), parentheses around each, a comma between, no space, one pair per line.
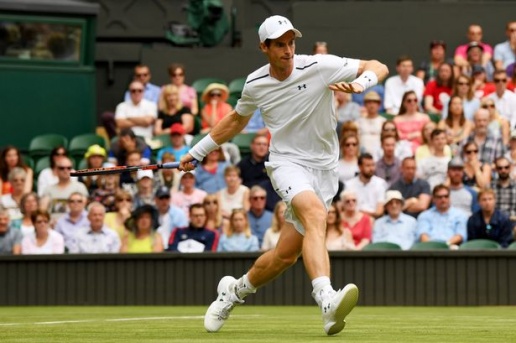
(244,287)
(322,289)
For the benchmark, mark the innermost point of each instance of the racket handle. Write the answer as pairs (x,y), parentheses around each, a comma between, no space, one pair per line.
(175,165)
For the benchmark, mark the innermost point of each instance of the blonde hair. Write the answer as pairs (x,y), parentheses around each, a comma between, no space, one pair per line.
(218,214)
(231,230)
(163,103)
(275,225)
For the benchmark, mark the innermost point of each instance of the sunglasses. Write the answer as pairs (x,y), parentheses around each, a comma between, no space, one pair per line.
(503,167)
(500,80)
(64,168)
(463,83)
(215,94)
(136,90)
(258,198)
(488,106)
(18,180)
(178,74)
(471,152)
(75,201)
(211,203)
(350,144)
(442,196)
(411,100)
(124,199)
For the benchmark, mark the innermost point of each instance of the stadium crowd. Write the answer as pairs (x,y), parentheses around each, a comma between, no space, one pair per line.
(430,155)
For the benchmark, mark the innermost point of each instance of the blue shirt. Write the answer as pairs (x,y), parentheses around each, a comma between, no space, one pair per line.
(401,231)
(202,235)
(255,123)
(442,226)
(499,228)
(68,229)
(178,153)
(151,93)
(238,242)
(260,224)
(209,182)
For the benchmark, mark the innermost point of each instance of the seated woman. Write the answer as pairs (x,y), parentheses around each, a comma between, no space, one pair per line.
(403,147)
(457,127)
(141,236)
(123,205)
(127,143)
(463,88)
(11,201)
(187,94)
(238,236)
(476,173)
(358,223)
(43,240)
(209,176)
(11,158)
(214,220)
(348,162)
(48,176)
(171,111)
(106,192)
(439,90)
(337,237)
(28,205)
(410,121)
(426,149)
(215,105)
(234,195)
(95,157)
(272,234)
(481,86)
(498,127)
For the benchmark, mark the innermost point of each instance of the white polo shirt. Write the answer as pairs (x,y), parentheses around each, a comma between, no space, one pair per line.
(369,195)
(506,105)
(128,109)
(299,111)
(395,88)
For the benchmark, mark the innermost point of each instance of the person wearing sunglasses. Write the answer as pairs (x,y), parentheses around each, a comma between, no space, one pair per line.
(504,99)
(215,107)
(76,217)
(477,174)
(11,201)
(504,53)
(187,94)
(348,162)
(474,34)
(457,127)
(475,57)
(397,85)
(150,91)
(442,222)
(260,218)
(48,176)
(410,121)
(463,88)
(498,126)
(354,220)
(505,188)
(489,147)
(43,240)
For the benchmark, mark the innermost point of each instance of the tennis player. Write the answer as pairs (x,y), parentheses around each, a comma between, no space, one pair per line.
(295,96)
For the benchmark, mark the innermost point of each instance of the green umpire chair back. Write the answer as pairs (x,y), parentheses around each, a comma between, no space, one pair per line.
(430,246)
(243,142)
(480,244)
(512,246)
(382,246)
(41,146)
(79,144)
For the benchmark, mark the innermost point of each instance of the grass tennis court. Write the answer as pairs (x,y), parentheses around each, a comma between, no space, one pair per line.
(256,324)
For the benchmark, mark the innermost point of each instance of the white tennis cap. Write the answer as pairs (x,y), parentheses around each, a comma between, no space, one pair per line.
(274,27)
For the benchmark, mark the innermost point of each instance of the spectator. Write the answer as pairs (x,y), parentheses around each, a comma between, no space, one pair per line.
(143,75)
(476,173)
(348,162)
(504,188)
(504,99)
(238,236)
(215,98)
(370,189)
(195,237)
(170,217)
(177,147)
(214,220)
(145,189)
(96,238)
(426,149)
(187,195)
(48,176)
(428,69)
(490,147)
(256,124)
(370,125)
(106,193)
(252,168)
(388,167)
(481,86)
(141,235)
(409,121)
(126,144)
(259,218)
(439,90)
(71,222)
(95,157)
(442,222)
(462,197)
(395,226)
(434,168)
(320,48)
(10,239)
(463,88)
(498,126)
(171,112)
(11,158)
(28,205)
(403,147)
(510,155)
(11,201)
(56,196)
(489,222)
(354,220)
(346,109)
(359,98)
(476,58)
(396,86)
(209,175)
(136,113)
(415,191)
(128,180)
(234,195)
(474,35)
(167,177)
(337,236)
(504,52)
(116,220)
(272,235)
(456,126)
(43,240)
(187,94)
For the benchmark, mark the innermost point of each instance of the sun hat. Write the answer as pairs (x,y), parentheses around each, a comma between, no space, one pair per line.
(212,87)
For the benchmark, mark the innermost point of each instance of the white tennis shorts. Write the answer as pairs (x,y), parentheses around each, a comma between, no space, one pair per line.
(290,179)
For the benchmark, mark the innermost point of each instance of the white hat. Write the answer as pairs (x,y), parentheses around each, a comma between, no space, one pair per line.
(393,195)
(183,173)
(142,173)
(274,27)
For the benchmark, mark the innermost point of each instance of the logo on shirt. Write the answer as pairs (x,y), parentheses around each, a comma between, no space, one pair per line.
(301,86)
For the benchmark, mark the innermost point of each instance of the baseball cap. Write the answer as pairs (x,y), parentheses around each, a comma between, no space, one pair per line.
(275,26)
(177,129)
(393,195)
(456,162)
(162,192)
(183,173)
(140,174)
(472,45)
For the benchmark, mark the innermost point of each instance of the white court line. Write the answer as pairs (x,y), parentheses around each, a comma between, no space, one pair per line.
(9,324)
(152,318)
(66,322)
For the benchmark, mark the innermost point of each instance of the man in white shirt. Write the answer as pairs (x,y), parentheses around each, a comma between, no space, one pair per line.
(504,99)
(137,113)
(397,85)
(295,96)
(370,125)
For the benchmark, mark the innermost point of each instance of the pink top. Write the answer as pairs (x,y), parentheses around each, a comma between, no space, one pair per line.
(53,245)
(361,230)
(222,109)
(406,127)
(462,50)
(183,201)
(187,95)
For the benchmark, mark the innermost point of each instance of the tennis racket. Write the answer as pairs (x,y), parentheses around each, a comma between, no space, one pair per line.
(123,169)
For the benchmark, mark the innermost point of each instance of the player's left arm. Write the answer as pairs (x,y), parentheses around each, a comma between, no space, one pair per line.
(369,74)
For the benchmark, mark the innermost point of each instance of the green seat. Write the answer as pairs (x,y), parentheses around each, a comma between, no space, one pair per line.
(512,246)
(236,86)
(387,116)
(29,162)
(435,117)
(382,246)
(200,84)
(243,142)
(232,100)
(82,164)
(197,138)
(480,244)
(40,165)
(41,146)
(430,246)
(79,144)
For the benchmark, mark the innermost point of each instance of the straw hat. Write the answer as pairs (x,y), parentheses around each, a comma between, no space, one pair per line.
(213,87)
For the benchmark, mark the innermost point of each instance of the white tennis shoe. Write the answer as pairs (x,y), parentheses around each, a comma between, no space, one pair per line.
(220,309)
(336,307)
